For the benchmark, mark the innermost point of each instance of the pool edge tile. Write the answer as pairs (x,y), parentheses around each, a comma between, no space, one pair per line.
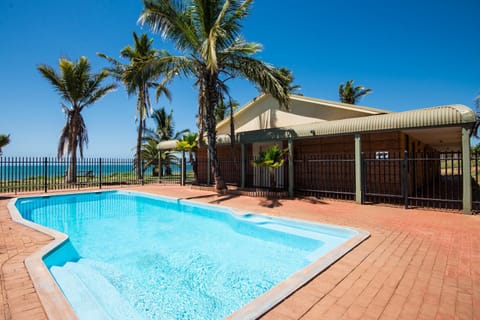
(264,303)
(53,300)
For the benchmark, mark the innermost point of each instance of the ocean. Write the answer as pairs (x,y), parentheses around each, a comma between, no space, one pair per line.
(23,168)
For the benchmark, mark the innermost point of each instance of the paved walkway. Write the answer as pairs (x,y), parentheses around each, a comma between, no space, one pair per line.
(417,264)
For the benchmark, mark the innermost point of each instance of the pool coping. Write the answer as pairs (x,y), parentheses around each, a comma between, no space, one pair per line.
(53,300)
(56,305)
(265,302)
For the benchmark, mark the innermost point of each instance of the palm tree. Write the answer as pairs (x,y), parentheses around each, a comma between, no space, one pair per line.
(350,94)
(272,159)
(150,154)
(164,130)
(4,140)
(138,78)
(78,88)
(207,32)
(190,143)
(164,127)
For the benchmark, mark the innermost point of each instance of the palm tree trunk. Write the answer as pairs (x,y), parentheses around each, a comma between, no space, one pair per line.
(273,183)
(138,157)
(211,97)
(72,146)
(72,169)
(194,163)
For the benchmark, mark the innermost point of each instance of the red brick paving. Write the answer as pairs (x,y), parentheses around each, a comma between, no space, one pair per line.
(417,264)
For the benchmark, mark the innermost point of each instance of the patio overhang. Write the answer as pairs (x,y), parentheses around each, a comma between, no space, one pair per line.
(439,127)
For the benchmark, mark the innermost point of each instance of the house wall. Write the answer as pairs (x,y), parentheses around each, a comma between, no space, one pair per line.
(328,163)
(266,114)
(229,159)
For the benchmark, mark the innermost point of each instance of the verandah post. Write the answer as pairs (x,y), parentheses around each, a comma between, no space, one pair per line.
(358,169)
(466,171)
(404,175)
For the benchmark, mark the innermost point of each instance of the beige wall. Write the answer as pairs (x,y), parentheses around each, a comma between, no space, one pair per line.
(264,113)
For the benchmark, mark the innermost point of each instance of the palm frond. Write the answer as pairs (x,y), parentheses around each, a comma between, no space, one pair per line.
(4,140)
(261,74)
(350,94)
(78,88)
(172,20)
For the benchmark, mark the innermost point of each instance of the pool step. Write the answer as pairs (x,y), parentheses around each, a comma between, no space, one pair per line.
(91,295)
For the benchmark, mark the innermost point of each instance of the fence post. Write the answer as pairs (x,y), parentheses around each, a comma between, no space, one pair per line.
(182,169)
(45,174)
(143,172)
(243,176)
(363,177)
(209,168)
(290,168)
(100,173)
(405,179)
(159,166)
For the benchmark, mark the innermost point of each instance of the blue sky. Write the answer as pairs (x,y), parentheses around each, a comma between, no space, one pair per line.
(413,54)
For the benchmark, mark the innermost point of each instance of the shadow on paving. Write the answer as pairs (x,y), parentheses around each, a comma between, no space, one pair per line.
(200,197)
(226,197)
(271,202)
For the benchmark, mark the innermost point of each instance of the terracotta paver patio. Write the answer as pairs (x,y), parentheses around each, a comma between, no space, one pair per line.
(417,264)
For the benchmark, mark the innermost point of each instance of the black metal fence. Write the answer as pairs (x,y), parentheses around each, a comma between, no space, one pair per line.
(21,174)
(427,179)
(331,176)
(431,180)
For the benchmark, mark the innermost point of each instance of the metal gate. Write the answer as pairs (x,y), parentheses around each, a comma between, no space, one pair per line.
(427,179)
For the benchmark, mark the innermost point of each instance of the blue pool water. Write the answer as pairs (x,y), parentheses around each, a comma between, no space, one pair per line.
(134,256)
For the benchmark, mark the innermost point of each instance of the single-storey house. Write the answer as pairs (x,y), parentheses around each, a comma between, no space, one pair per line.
(350,151)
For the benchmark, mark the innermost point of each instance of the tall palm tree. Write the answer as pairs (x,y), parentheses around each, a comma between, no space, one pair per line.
(138,78)
(4,140)
(207,32)
(350,94)
(78,88)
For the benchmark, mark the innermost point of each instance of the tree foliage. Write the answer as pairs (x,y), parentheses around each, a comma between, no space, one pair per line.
(78,88)
(138,77)
(272,158)
(4,140)
(207,33)
(348,93)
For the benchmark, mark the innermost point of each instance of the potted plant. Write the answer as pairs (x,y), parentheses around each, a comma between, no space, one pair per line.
(272,158)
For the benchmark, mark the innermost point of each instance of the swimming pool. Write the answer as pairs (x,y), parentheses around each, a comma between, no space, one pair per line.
(138,256)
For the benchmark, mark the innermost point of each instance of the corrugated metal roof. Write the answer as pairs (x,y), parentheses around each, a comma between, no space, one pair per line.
(442,116)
